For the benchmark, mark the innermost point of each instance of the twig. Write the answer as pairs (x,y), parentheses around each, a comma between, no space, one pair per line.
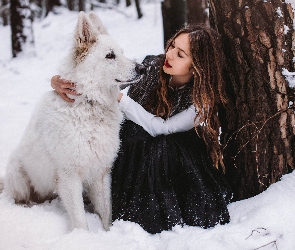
(258,130)
(274,242)
(255,230)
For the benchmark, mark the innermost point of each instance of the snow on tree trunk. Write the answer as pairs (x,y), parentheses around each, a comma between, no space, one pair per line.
(258,127)
(21,28)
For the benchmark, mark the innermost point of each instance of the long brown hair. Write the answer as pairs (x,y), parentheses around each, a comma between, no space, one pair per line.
(208,89)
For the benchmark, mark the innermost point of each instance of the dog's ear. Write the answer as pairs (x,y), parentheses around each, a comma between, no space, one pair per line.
(86,34)
(97,23)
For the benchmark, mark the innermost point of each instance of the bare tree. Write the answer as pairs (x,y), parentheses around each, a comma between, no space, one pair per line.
(258,124)
(21,27)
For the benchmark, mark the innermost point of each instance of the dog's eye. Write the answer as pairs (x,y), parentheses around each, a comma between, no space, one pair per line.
(111,55)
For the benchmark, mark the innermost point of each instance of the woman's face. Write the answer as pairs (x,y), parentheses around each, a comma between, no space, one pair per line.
(178,59)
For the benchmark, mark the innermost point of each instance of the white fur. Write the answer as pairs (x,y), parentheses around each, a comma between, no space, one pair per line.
(70,147)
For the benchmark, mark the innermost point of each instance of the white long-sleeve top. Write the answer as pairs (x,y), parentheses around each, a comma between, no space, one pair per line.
(154,125)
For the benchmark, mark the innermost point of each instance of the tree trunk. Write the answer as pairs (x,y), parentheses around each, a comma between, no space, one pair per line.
(21,27)
(139,13)
(128,3)
(174,17)
(257,125)
(81,4)
(5,12)
(50,4)
(197,11)
(71,4)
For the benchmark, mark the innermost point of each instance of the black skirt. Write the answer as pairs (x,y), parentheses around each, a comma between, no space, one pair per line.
(159,182)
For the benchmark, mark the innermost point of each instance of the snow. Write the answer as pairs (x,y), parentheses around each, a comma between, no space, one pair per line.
(265,221)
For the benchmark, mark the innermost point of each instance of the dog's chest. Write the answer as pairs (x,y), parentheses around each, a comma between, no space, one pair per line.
(84,135)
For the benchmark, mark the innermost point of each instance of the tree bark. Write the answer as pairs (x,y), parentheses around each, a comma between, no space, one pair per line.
(257,126)
(21,27)
(174,17)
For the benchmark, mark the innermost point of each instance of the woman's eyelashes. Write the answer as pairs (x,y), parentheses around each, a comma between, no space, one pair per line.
(172,46)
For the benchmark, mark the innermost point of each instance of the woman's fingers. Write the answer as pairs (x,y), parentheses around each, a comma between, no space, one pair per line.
(70,91)
(66,98)
(65,84)
(64,87)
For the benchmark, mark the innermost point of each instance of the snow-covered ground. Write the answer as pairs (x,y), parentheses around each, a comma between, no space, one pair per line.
(266,221)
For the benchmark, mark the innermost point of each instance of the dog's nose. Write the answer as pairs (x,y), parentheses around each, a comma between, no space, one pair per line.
(140,69)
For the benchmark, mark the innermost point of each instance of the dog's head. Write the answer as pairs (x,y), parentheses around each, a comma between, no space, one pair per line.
(97,61)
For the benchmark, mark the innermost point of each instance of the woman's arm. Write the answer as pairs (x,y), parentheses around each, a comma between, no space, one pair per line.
(180,122)
(63,87)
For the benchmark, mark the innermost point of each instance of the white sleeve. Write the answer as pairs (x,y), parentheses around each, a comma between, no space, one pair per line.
(154,125)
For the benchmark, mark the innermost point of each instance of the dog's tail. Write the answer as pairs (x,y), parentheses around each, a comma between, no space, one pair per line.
(1,184)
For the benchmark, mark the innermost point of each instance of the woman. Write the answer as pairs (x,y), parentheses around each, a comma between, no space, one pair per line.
(167,170)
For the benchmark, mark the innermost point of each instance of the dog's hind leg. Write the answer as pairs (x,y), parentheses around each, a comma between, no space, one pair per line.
(100,196)
(16,182)
(70,190)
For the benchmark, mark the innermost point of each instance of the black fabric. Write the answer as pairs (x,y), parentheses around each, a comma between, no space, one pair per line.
(162,181)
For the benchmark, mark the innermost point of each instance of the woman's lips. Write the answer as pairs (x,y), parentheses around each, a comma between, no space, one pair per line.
(167,65)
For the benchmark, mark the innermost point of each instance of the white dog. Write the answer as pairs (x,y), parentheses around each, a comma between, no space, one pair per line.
(70,147)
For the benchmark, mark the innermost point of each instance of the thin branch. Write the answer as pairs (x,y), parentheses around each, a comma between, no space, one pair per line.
(258,130)
(255,230)
(274,242)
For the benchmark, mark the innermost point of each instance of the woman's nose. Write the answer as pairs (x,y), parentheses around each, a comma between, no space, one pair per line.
(169,54)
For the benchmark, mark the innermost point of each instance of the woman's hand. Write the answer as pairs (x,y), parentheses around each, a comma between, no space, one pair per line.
(63,87)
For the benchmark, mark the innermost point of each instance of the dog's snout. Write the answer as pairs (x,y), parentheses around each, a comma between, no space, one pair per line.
(140,69)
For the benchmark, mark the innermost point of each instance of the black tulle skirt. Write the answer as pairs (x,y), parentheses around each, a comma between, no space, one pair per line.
(159,182)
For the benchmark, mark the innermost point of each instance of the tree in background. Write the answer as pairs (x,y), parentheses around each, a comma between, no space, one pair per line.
(258,124)
(50,4)
(22,39)
(197,11)
(81,4)
(71,4)
(176,13)
(4,12)
(138,9)
(174,17)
